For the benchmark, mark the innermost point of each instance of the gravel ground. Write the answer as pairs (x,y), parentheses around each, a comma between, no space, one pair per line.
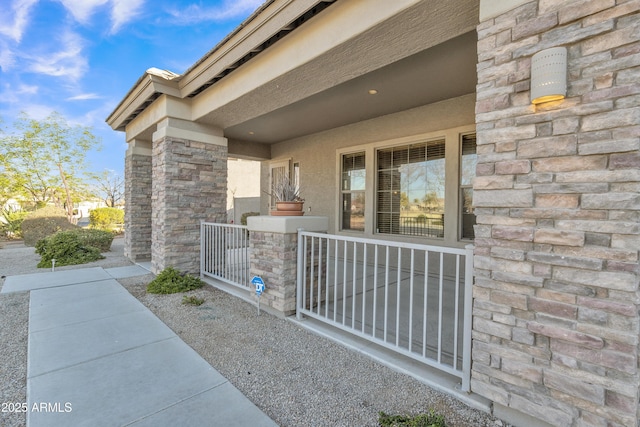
(294,376)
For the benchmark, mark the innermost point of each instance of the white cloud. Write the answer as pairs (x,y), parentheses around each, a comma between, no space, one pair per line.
(15,18)
(84,97)
(82,9)
(37,111)
(230,9)
(27,89)
(7,57)
(123,11)
(68,62)
(12,93)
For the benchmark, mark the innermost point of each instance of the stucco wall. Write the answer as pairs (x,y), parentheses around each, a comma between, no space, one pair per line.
(317,154)
(243,180)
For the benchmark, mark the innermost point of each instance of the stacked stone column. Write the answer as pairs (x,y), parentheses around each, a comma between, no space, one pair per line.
(137,191)
(274,256)
(555,319)
(189,186)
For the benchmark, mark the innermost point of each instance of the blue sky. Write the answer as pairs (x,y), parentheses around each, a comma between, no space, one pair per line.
(80,57)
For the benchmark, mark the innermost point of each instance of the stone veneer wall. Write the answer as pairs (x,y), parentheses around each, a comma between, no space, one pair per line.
(189,185)
(274,257)
(558,205)
(137,213)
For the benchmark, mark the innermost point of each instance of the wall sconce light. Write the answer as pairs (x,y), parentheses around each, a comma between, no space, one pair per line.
(549,75)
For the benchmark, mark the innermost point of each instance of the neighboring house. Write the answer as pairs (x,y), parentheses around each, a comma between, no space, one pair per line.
(82,209)
(411,121)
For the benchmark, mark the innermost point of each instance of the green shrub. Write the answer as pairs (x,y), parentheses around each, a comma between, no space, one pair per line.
(11,223)
(192,300)
(100,239)
(44,222)
(171,281)
(432,419)
(243,218)
(106,218)
(67,248)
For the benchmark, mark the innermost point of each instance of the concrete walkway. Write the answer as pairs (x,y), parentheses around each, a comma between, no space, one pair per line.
(98,357)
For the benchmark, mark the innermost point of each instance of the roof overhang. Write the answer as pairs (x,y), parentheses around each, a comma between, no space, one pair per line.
(148,88)
(269,23)
(297,67)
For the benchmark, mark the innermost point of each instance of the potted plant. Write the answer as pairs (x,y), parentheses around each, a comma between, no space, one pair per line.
(287,198)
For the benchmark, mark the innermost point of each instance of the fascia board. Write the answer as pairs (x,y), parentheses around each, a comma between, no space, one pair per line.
(343,22)
(269,22)
(146,86)
(138,94)
(167,87)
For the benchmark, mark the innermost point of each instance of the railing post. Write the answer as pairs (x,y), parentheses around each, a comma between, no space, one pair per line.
(202,249)
(468,307)
(299,280)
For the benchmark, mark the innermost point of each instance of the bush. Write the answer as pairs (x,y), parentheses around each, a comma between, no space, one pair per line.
(11,223)
(43,223)
(171,281)
(192,300)
(67,248)
(99,239)
(243,218)
(106,218)
(432,419)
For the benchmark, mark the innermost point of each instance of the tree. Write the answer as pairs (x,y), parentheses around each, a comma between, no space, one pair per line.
(6,190)
(110,186)
(43,159)
(5,183)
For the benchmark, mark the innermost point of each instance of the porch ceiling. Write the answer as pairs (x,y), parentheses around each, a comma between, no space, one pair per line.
(320,76)
(444,71)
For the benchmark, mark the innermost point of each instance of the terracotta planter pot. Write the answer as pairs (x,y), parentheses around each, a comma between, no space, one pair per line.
(288,209)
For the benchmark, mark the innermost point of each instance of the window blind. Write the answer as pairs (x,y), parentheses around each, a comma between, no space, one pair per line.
(407,188)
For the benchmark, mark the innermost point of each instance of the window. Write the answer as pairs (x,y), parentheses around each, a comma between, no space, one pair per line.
(352,188)
(410,189)
(468,161)
(277,171)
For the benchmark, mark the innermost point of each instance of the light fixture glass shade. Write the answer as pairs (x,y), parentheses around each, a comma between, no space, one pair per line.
(549,75)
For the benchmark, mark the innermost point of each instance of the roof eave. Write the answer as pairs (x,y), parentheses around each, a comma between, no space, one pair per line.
(148,87)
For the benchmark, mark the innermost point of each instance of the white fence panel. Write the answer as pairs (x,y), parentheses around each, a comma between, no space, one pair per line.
(224,253)
(413,299)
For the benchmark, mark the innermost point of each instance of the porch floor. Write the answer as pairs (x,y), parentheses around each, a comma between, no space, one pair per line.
(432,377)
(352,305)
(384,306)
(417,321)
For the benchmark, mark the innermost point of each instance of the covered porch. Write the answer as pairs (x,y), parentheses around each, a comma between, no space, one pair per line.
(279,91)
(411,300)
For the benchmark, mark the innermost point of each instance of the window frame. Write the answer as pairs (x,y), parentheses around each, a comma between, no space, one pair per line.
(342,192)
(462,187)
(417,145)
(452,137)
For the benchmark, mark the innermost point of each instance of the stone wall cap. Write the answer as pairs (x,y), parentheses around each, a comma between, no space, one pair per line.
(287,224)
